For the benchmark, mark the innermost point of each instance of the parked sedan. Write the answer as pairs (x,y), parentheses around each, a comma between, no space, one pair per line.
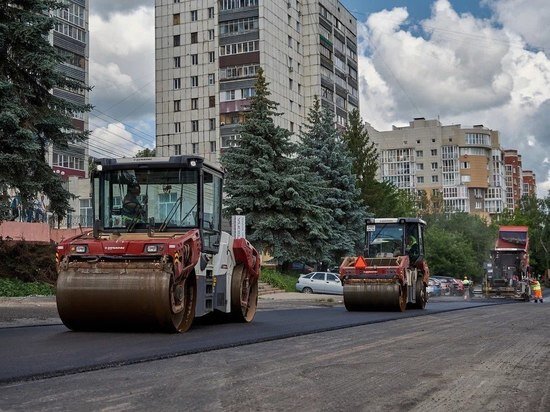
(320,282)
(434,287)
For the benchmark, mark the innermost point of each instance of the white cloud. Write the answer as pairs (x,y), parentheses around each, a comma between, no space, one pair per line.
(528,18)
(122,63)
(461,68)
(114,140)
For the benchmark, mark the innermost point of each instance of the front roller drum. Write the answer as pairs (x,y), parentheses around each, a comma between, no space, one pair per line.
(244,295)
(375,296)
(125,299)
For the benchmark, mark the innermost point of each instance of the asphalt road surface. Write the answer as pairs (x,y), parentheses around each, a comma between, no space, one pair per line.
(455,355)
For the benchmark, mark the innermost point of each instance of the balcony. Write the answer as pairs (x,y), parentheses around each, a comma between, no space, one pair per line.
(234,106)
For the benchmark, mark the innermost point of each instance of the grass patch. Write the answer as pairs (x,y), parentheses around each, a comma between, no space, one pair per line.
(15,288)
(285,281)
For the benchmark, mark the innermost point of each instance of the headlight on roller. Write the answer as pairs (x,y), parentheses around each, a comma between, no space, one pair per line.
(151,248)
(81,249)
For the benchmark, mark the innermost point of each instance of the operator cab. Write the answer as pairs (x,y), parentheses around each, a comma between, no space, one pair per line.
(159,194)
(392,237)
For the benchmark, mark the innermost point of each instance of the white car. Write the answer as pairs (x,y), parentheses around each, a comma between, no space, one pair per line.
(320,282)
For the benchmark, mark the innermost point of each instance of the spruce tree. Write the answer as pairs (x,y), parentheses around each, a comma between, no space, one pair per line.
(323,151)
(31,117)
(263,181)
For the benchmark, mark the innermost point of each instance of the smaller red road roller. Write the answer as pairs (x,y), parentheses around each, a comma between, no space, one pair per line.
(393,273)
(157,257)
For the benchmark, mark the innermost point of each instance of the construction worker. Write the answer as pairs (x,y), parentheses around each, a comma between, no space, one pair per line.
(537,292)
(412,247)
(466,282)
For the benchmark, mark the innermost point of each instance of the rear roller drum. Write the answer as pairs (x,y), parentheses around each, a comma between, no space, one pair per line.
(244,295)
(375,296)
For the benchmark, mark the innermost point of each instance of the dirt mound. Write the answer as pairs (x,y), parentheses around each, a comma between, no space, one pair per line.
(28,261)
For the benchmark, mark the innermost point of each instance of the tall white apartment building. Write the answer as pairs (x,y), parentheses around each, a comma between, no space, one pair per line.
(208,53)
(463,164)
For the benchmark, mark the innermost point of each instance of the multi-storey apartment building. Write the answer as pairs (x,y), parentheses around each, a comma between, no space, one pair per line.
(463,165)
(529,183)
(514,179)
(208,53)
(70,37)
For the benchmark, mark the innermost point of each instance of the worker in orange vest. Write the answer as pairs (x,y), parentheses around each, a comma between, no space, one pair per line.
(537,292)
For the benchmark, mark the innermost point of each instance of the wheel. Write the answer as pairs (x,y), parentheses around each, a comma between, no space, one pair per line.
(421,295)
(244,295)
(307,290)
(402,305)
(183,299)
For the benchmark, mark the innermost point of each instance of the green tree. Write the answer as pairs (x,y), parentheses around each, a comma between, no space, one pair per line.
(322,151)
(146,153)
(448,254)
(269,187)
(32,118)
(461,233)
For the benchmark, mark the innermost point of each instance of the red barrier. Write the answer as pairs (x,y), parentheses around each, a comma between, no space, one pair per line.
(37,232)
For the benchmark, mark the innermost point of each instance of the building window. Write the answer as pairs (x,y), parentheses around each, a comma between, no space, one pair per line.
(237,48)
(419,179)
(435,179)
(194,59)
(211,34)
(177,127)
(177,105)
(194,103)
(419,153)
(212,123)
(213,147)
(176,19)
(289,19)
(291,127)
(211,101)
(434,152)
(194,126)
(177,149)
(420,166)
(290,83)
(86,215)
(177,83)
(210,12)
(194,81)
(194,15)
(465,165)
(211,78)
(289,41)
(177,61)
(434,165)
(248,92)
(195,148)
(194,37)
(177,41)
(211,57)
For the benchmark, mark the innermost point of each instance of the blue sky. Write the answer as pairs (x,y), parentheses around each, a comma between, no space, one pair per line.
(465,62)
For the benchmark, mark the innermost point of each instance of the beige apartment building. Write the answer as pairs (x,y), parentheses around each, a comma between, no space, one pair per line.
(208,53)
(463,165)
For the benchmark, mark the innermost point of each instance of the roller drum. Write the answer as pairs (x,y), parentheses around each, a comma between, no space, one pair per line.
(373,296)
(115,299)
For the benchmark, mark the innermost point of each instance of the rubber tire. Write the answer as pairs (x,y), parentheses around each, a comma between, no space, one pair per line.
(421,295)
(307,290)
